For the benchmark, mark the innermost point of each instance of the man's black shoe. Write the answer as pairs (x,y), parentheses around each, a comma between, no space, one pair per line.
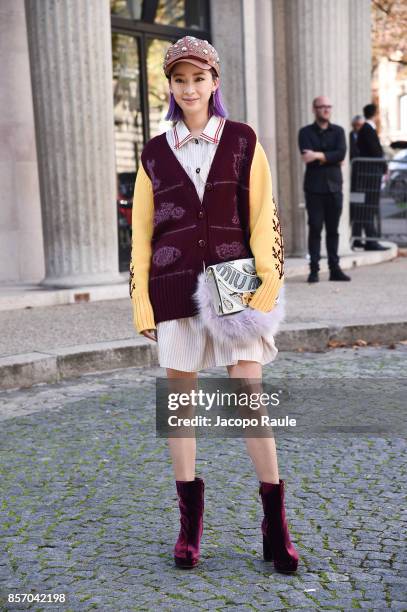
(375,246)
(336,274)
(313,277)
(358,244)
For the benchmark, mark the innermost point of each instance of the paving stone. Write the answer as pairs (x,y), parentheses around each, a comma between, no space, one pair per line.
(91,509)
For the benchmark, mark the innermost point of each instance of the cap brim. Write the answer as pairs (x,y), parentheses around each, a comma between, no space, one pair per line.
(193,61)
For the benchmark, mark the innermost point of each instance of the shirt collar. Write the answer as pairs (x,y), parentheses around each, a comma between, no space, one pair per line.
(211,132)
(371,122)
(318,128)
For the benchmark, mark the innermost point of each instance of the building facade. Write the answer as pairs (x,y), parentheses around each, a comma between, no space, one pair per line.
(389,87)
(83,90)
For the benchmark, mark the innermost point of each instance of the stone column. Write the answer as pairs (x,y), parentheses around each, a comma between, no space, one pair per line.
(71,73)
(292,218)
(250,69)
(313,43)
(21,246)
(259,77)
(227,37)
(360,56)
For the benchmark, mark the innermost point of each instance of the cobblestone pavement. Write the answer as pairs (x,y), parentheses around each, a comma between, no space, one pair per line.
(88,504)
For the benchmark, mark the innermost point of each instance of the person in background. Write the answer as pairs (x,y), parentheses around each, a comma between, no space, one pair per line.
(323,147)
(357,123)
(369,181)
(354,152)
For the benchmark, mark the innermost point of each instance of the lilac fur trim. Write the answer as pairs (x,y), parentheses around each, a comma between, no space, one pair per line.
(240,327)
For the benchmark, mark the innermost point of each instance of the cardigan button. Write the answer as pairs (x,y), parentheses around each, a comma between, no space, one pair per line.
(201,243)
(208,186)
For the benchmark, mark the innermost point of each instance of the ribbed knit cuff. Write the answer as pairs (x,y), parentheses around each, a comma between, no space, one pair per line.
(265,296)
(143,313)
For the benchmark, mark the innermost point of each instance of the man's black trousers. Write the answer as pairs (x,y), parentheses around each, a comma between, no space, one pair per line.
(323,208)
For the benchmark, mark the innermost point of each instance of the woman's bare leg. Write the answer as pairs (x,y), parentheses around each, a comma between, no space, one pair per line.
(182,450)
(262,451)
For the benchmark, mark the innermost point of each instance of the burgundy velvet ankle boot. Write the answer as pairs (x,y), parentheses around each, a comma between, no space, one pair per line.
(277,546)
(191,505)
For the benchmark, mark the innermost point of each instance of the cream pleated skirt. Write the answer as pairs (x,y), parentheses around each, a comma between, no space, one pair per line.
(185,344)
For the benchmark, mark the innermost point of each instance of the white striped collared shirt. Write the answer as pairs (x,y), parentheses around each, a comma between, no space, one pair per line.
(196,153)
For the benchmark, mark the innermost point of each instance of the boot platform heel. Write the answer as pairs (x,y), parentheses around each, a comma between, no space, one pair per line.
(267,552)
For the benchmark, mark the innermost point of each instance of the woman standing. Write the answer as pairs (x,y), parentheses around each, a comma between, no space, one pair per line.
(203,194)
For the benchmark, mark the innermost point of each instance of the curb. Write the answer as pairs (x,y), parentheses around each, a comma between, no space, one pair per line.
(25,370)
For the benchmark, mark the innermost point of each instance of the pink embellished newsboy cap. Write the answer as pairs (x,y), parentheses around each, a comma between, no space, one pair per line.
(193,50)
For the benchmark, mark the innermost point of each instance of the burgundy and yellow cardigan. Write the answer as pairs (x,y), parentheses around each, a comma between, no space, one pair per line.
(174,233)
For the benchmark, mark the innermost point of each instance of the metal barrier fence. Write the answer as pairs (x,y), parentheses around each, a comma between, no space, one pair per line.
(378,199)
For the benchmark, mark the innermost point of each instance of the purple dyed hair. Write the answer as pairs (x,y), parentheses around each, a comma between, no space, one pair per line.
(216,106)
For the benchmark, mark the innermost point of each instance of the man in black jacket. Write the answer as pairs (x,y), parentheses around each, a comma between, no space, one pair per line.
(368,178)
(357,123)
(323,148)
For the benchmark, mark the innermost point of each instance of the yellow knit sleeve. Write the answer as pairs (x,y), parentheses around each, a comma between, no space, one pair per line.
(266,240)
(141,249)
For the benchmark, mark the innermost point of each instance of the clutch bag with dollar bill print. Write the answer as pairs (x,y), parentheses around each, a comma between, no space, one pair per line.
(223,294)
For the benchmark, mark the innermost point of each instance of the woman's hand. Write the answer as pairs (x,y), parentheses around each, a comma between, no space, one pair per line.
(151,334)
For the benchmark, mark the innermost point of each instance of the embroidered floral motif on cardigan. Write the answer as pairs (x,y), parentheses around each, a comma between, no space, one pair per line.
(231,249)
(166,211)
(165,256)
(132,284)
(155,181)
(235,218)
(278,247)
(240,157)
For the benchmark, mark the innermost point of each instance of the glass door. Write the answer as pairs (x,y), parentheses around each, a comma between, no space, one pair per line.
(158,92)
(128,133)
